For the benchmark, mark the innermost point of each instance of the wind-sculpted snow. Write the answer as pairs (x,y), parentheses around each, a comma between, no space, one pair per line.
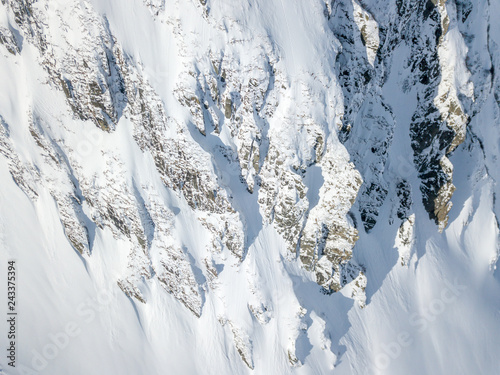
(101,86)
(237,98)
(252,187)
(85,64)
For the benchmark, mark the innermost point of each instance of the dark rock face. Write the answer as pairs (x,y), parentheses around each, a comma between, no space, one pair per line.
(414,32)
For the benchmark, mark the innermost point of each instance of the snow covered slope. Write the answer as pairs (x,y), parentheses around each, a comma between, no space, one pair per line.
(251,187)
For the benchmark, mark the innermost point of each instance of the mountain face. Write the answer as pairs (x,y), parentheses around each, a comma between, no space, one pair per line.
(251,187)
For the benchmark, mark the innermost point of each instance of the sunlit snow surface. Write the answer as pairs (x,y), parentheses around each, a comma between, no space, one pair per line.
(437,314)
